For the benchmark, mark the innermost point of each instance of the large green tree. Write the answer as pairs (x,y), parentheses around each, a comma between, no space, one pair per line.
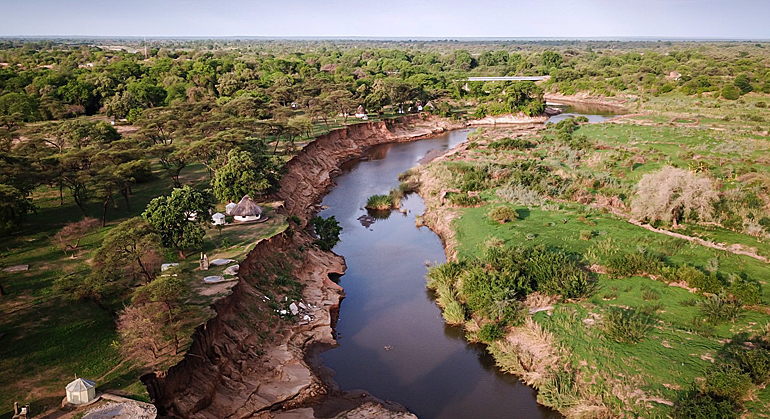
(179,217)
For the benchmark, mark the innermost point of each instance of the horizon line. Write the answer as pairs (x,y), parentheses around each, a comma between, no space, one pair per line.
(391,38)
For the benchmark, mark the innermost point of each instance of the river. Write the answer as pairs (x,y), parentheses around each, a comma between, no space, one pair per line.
(393,342)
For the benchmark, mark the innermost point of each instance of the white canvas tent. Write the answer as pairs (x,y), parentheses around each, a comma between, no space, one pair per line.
(218,219)
(81,391)
(229,207)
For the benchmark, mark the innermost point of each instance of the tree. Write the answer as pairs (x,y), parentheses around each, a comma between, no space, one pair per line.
(328,231)
(731,92)
(70,236)
(552,59)
(141,331)
(674,195)
(15,189)
(169,292)
(179,217)
(743,82)
(130,249)
(119,105)
(244,174)
(342,103)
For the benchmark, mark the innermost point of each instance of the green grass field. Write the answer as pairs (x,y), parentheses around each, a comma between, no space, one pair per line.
(46,338)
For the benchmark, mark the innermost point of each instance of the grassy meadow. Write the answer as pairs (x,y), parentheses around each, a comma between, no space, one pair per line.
(581,209)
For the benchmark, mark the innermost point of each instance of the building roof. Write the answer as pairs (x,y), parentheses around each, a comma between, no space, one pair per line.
(80,385)
(246,207)
(218,215)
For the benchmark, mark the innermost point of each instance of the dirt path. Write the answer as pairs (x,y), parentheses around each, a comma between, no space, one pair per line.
(736,249)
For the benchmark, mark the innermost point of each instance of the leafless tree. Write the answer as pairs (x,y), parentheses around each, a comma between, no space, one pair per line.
(674,195)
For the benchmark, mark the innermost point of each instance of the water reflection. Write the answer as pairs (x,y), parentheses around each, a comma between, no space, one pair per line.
(395,343)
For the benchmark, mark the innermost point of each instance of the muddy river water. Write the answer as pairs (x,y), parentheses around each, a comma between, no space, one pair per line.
(393,341)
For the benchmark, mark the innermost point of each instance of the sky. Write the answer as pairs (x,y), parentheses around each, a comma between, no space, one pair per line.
(733,19)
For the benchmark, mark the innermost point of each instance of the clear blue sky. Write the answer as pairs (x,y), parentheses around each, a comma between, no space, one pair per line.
(390,18)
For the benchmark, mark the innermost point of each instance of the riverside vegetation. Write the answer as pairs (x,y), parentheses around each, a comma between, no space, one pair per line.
(619,267)
(225,116)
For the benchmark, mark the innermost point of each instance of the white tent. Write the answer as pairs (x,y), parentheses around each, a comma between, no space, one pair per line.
(81,391)
(218,219)
(229,207)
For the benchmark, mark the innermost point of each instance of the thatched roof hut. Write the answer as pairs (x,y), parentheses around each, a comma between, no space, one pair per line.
(246,210)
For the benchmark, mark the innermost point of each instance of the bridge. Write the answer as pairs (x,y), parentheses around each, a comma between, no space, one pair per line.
(511,78)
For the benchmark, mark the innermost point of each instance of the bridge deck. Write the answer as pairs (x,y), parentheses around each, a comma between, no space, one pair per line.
(512,78)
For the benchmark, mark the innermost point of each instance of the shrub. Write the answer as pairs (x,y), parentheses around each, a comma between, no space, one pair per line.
(626,325)
(491,332)
(463,200)
(454,312)
(630,264)
(508,143)
(649,294)
(761,104)
(748,292)
(446,274)
(727,381)
(379,202)
(697,405)
(694,278)
(755,362)
(503,214)
(521,195)
(731,92)
(719,309)
(586,235)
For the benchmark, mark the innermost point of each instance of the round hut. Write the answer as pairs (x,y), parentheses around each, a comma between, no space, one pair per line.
(246,210)
(81,391)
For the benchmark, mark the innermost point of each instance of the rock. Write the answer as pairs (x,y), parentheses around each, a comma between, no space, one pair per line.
(294,309)
(307,318)
(232,270)
(16,268)
(213,279)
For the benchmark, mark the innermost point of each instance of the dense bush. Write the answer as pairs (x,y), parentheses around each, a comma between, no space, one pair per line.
(491,332)
(630,264)
(755,362)
(503,214)
(720,308)
(727,381)
(463,200)
(508,143)
(697,405)
(626,325)
(328,231)
(747,291)
(694,278)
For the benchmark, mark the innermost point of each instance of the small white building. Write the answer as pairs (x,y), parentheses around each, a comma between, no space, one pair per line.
(218,219)
(229,207)
(81,391)
(246,210)
(361,113)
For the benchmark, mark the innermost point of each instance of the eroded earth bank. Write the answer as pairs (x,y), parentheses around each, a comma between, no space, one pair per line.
(250,362)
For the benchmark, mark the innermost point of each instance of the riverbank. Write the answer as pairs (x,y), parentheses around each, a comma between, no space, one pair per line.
(249,361)
(562,347)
